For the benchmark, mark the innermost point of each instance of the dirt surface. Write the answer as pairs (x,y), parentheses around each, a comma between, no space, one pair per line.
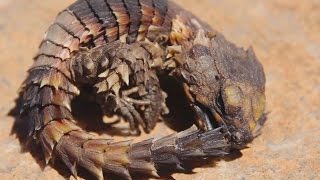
(285,35)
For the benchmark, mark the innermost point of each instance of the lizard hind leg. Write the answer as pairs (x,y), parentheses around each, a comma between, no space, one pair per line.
(133,86)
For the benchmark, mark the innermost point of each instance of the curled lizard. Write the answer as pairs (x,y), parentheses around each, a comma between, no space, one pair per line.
(120,49)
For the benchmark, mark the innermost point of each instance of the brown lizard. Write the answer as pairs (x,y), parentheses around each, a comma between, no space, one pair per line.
(120,49)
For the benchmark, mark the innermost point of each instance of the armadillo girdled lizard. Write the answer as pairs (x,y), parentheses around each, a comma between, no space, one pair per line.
(120,49)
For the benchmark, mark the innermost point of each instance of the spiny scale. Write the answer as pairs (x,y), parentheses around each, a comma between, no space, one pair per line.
(65,62)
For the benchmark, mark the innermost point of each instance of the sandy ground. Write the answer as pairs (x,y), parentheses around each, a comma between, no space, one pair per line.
(285,35)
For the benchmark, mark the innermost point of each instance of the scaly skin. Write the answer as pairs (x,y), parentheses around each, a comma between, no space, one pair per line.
(120,48)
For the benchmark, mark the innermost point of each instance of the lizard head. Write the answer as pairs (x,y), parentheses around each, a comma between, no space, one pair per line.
(226,85)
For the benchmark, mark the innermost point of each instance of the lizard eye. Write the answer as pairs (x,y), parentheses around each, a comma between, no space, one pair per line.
(232,98)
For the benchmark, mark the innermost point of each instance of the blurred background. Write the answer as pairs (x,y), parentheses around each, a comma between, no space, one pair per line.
(286,38)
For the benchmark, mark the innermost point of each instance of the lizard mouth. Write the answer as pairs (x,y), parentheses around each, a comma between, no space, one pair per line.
(257,130)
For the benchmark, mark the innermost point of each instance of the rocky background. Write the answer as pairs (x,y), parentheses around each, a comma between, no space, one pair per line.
(285,36)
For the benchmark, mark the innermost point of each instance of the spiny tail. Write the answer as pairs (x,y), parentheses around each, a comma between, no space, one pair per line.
(78,148)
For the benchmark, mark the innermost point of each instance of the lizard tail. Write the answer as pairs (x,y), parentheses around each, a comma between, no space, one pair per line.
(78,148)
